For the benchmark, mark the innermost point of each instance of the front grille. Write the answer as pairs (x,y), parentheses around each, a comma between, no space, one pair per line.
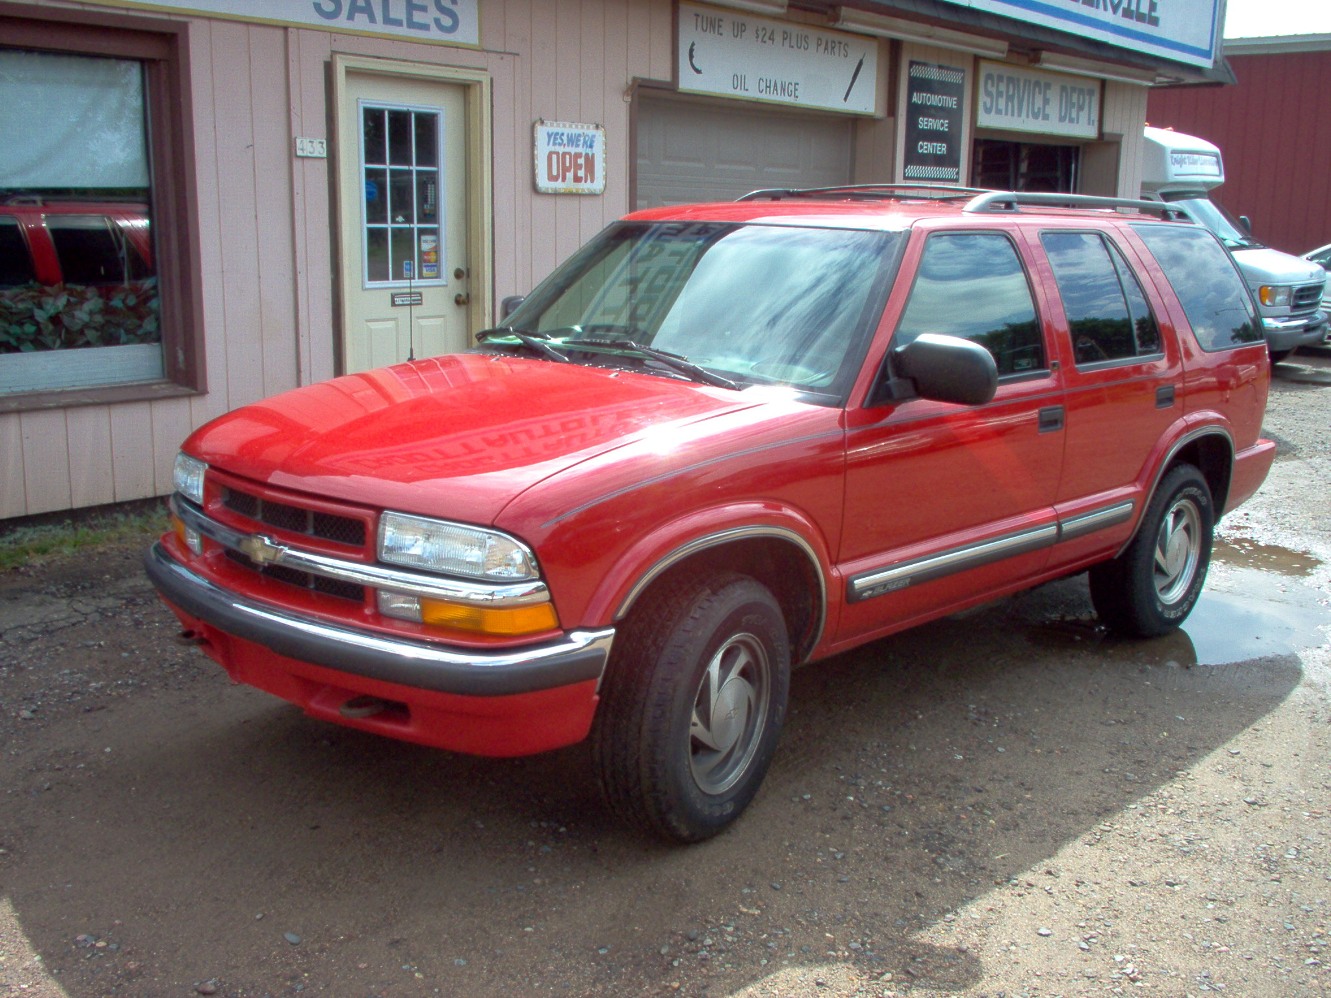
(305,580)
(295,520)
(1307,296)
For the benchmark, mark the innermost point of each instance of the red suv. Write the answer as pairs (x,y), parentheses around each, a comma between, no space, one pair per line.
(720,441)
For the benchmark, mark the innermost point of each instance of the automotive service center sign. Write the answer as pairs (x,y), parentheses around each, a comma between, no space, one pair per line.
(1184,31)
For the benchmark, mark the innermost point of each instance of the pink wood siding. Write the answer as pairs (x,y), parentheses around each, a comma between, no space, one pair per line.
(1269,129)
(266,226)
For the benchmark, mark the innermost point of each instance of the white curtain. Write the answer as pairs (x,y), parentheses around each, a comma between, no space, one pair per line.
(71,121)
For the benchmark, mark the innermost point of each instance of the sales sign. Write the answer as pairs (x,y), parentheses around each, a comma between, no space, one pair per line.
(570,158)
(935,108)
(1026,100)
(454,22)
(732,54)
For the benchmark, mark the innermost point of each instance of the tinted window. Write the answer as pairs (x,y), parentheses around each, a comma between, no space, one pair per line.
(15,261)
(1207,283)
(972,285)
(1106,309)
(92,250)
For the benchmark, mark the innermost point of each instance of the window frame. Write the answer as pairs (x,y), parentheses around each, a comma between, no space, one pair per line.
(162,46)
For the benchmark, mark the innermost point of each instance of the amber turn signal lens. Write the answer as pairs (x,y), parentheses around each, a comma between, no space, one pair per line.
(506,621)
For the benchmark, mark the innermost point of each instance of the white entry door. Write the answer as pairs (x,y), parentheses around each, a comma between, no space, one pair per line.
(402,164)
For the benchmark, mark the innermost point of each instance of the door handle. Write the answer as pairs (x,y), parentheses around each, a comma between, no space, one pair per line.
(1051,418)
(1164,397)
(461,298)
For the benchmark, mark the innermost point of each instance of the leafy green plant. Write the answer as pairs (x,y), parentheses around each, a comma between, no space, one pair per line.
(68,316)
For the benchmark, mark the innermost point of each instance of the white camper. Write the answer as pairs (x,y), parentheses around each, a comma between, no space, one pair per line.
(1183,169)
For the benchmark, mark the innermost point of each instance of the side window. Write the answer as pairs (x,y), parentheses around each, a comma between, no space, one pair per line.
(93,250)
(1107,313)
(972,285)
(1207,283)
(16,267)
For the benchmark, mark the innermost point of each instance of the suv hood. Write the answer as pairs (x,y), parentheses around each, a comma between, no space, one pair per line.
(465,432)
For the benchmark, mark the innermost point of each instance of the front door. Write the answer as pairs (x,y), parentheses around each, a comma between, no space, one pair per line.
(405,260)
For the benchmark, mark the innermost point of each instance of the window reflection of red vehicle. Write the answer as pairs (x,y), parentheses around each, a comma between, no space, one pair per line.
(73,242)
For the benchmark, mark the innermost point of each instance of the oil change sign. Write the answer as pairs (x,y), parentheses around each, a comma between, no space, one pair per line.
(570,158)
(727,53)
(1025,100)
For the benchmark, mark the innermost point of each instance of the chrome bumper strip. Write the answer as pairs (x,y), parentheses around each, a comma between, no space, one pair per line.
(579,656)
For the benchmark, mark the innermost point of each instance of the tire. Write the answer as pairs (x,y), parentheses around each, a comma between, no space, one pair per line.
(692,706)
(1152,586)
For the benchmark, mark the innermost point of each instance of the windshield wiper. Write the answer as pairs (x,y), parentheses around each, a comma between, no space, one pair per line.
(674,361)
(535,342)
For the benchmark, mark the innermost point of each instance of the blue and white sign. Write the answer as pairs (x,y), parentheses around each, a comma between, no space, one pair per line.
(1186,31)
(454,22)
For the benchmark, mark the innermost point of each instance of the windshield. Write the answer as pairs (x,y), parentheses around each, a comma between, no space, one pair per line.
(1218,220)
(753,304)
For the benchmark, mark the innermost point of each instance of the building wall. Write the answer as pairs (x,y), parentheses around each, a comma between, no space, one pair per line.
(266,219)
(266,227)
(1275,151)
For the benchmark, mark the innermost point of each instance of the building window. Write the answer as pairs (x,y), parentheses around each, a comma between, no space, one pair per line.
(400,155)
(91,208)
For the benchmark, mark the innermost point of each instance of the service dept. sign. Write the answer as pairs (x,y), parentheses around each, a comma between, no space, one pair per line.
(455,22)
(1016,99)
(732,54)
(570,158)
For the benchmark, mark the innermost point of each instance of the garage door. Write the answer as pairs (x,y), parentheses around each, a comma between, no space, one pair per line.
(693,151)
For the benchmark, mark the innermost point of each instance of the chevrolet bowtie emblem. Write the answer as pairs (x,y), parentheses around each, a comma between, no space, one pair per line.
(260,550)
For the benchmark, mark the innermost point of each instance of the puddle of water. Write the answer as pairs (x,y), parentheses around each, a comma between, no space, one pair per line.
(1260,601)
(1240,552)
(1247,613)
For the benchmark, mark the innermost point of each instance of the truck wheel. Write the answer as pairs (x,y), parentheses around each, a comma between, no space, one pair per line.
(1152,586)
(692,706)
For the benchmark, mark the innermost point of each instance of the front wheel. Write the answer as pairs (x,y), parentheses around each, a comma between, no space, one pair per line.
(1153,585)
(692,705)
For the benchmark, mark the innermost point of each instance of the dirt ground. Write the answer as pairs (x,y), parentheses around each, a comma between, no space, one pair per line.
(1005,803)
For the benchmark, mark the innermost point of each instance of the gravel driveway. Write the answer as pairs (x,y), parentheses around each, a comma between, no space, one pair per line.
(1008,802)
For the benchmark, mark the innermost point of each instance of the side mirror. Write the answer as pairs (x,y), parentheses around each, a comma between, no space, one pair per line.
(509,305)
(946,369)
(1246,223)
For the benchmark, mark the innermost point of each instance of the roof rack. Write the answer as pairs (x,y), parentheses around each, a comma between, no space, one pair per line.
(996,201)
(937,192)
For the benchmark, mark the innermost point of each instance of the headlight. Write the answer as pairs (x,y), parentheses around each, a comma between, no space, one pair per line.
(1275,295)
(187,477)
(454,549)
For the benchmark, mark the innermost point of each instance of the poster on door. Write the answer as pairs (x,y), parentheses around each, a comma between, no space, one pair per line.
(935,103)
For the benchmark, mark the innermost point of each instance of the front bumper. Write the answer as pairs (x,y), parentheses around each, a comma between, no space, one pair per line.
(512,701)
(1292,333)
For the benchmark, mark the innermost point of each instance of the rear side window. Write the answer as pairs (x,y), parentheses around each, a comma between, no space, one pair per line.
(1107,313)
(1207,283)
(15,261)
(972,285)
(93,250)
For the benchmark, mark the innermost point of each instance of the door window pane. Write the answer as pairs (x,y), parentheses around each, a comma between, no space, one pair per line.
(972,285)
(403,217)
(76,237)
